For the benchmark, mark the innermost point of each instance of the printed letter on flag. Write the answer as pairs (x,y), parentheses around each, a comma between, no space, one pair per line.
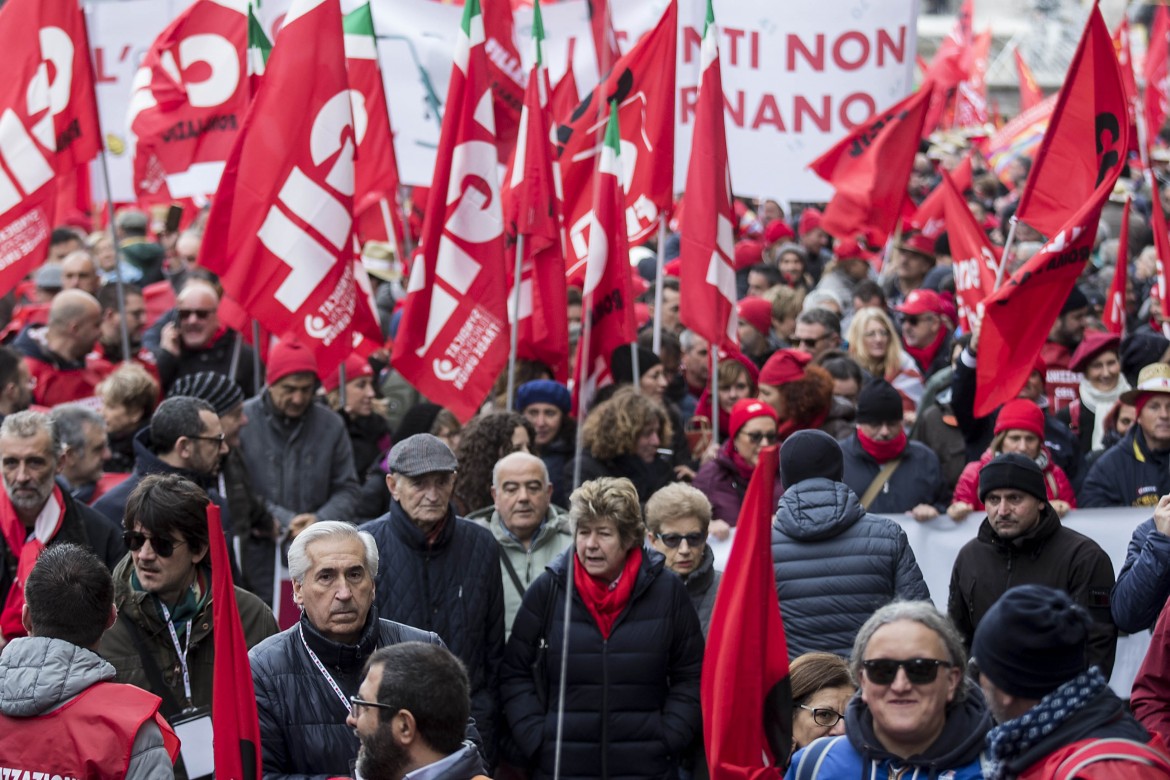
(746,694)
(707,248)
(452,340)
(607,296)
(1087,137)
(975,260)
(645,93)
(870,169)
(280,233)
(48,123)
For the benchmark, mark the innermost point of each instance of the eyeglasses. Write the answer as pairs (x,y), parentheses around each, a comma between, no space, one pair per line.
(199,314)
(823,716)
(755,437)
(217,439)
(919,671)
(674,540)
(808,342)
(355,705)
(162,546)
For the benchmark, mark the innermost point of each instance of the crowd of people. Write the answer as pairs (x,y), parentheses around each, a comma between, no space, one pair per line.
(429,598)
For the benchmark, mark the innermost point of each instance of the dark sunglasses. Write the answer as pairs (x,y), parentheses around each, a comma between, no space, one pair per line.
(808,342)
(919,671)
(674,540)
(199,314)
(163,547)
(755,437)
(913,319)
(823,716)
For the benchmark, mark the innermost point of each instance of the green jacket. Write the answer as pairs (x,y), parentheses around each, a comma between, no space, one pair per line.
(553,536)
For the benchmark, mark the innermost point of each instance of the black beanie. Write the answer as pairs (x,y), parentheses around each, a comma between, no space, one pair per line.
(808,454)
(1012,471)
(1032,641)
(878,402)
(1076,300)
(1139,350)
(419,418)
(623,370)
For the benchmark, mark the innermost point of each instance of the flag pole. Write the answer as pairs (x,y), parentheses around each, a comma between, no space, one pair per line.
(582,372)
(123,329)
(341,380)
(516,269)
(1007,245)
(256,367)
(659,262)
(634,368)
(564,659)
(715,396)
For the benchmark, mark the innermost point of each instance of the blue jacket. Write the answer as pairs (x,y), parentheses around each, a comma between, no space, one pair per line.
(1143,585)
(835,565)
(917,480)
(859,755)
(631,701)
(1127,474)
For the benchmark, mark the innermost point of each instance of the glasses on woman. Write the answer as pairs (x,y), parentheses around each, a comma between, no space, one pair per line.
(755,437)
(919,671)
(823,716)
(674,540)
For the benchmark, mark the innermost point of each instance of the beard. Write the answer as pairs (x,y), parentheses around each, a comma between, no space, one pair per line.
(381,757)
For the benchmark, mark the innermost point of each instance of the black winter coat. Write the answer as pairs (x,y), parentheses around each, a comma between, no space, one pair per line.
(302,721)
(632,701)
(452,587)
(917,480)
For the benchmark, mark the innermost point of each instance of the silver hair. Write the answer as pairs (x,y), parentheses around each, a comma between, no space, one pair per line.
(518,456)
(27,424)
(924,613)
(298,553)
(70,421)
(817,297)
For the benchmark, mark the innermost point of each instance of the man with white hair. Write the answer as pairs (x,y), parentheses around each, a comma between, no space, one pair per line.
(305,676)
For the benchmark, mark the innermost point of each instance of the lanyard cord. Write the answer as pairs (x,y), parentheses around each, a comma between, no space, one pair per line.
(181,652)
(324,672)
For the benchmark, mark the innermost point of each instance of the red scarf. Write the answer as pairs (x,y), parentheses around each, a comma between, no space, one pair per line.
(606,603)
(791,426)
(924,356)
(744,468)
(883,451)
(27,548)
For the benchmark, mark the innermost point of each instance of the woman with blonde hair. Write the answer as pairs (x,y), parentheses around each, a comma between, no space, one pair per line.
(874,344)
(622,437)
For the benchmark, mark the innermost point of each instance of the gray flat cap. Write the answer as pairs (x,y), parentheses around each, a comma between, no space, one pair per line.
(421,454)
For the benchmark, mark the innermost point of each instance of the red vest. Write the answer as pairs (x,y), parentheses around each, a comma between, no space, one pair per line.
(89,736)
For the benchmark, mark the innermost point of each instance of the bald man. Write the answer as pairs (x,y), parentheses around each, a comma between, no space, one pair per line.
(55,353)
(194,341)
(79,272)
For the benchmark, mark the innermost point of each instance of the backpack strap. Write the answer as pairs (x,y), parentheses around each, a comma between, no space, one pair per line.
(504,559)
(1095,750)
(879,481)
(813,756)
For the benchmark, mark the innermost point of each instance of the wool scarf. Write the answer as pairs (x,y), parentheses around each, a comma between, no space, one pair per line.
(1099,403)
(883,451)
(26,547)
(604,600)
(924,356)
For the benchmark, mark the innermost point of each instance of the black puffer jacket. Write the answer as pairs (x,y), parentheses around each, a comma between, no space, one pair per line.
(835,565)
(632,701)
(452,587)
(302,721)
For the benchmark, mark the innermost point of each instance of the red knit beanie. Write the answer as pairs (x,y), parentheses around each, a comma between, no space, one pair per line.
(756,312)
(356,367)
(785,365)
(290,357)
(777,230)
(748,253)
(810,220)
(747,409)
(1022,415)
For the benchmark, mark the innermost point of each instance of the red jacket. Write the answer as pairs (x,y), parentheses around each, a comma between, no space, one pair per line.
(1150,700)
(1055,480)
(1085,760)
(91,735)
(102,366)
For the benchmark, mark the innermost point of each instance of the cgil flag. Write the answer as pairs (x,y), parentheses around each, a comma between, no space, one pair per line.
(707,292)
(975,262)
(452,340)
(930,219)
(280,232)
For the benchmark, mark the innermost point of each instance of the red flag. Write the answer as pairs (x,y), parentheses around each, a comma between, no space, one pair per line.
(1113,318)
(607,298)
(48,123)
(1030,93)
(950,65)
(190,97)
(280,232)
(532,208)
(505,73)
(1085,145)
(747,701)
(377,209)
(975,260)
(1161,244)
(870,169)
(452,341)
(707,250)
(1018,317)
(645,94)
(1156,73)
(929,218)
(565,96)
(604,40)
(971,100)
(1121,48)
(236,746)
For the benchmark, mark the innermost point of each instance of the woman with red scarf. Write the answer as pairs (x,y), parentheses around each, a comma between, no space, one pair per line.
(631,702)
(724,480)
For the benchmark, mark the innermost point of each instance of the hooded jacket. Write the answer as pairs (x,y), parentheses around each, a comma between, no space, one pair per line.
(835,565)
(859,754)
(1046,554)
(39,675)
(1127,474)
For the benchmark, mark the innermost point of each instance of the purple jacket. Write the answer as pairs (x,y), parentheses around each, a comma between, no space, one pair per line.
(725,488)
